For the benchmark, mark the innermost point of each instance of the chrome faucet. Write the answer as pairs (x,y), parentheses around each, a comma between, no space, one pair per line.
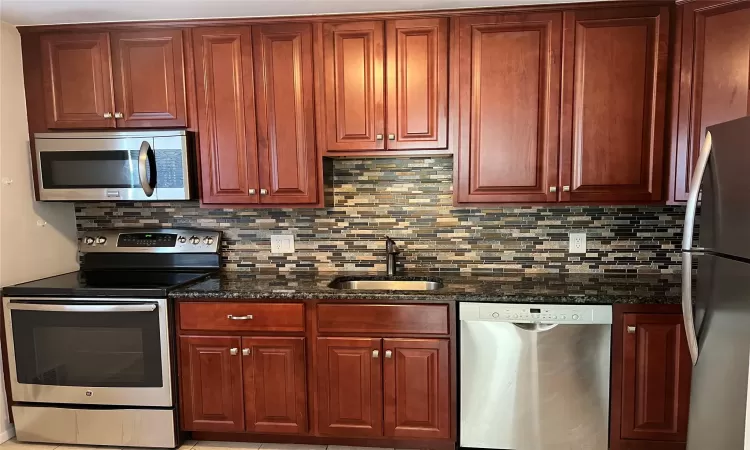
(391,250)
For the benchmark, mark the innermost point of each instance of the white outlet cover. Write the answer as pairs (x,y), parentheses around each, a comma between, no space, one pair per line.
(282,244)
(577,242)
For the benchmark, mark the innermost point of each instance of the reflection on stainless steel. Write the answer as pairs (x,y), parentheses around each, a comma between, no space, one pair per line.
(386,285)
(121,427)
(93,307)
(531,382)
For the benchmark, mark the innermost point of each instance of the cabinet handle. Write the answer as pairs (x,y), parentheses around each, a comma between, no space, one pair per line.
(245,352)
(379,137)
(388,354)
(118,115)
(631,330)
(375,353)
(566,188)
(553,189)
(251,191)
(263,192)
(233,351)
(391,137)
(108,115)
(247,317)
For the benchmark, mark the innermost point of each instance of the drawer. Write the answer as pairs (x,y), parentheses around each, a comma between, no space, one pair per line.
(210,316)
(404,319)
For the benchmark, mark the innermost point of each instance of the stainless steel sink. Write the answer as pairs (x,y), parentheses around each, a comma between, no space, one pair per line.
(374,284)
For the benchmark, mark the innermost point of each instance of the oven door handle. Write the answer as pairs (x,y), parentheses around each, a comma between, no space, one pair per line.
(142,307)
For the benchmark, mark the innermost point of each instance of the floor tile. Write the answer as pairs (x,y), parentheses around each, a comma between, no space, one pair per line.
(342,447)
(219,445)
(291,447)
(15,445)
(187,445)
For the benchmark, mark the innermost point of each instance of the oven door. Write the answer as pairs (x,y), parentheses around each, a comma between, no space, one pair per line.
(89,351)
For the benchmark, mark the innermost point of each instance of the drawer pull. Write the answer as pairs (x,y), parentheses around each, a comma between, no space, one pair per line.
(233,351)
(631,330)
(245,352)
(248,317)
(388,354)
(375,353)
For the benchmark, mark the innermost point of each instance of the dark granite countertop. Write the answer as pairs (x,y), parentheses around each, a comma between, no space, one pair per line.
(473,287)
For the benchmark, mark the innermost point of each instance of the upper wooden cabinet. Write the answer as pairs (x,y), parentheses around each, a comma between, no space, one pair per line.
(77,80)
(509,103)
(277,165)
(142,83)
(358,87)
(712,84)
(613,104)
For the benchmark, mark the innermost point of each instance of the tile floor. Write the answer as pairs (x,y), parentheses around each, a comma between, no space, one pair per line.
(189,445)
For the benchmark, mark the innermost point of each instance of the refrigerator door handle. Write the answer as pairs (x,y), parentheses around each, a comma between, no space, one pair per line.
(687,305)
(695,188)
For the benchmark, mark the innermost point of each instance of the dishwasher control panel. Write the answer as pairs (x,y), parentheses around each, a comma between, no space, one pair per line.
(531,313)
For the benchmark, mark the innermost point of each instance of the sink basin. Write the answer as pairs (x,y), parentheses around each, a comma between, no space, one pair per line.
(387,284)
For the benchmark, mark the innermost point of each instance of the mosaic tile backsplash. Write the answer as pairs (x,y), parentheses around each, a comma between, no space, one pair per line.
(411,200)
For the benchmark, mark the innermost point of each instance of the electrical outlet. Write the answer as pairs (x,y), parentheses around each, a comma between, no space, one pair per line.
(577,242)
(282,243)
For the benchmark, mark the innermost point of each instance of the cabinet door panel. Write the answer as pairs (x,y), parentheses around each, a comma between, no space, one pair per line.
(274,378)
(149,78)
(226,115)
(286,132)
(509,85)
(417,83)
(77,80)
(656,378)
(417,388)
(211,381)
(715,80)
(353,55)
(350,397)
(614,94)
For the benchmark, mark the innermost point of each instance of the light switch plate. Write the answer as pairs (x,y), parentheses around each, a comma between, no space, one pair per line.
(282,243)
(577,242)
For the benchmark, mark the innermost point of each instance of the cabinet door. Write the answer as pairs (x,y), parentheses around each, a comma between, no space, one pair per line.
(416,376)
(509,97)
(77,80)
(656,369)
(274,378)
(417,83)
(614,94)
(149,75)
(350,397)
(226,115)
(714,80)
(286,130)
(353,54)
(211,382)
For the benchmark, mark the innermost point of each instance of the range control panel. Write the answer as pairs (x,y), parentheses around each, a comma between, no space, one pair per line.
(536,313)
(165,240)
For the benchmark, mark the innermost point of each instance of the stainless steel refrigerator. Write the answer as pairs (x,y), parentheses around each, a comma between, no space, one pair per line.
(716,301)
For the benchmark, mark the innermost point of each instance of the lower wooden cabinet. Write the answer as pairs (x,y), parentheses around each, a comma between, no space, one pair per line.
(232,384)
(413,400)
(650,380)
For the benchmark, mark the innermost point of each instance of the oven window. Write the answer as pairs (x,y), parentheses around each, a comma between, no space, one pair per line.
(89,169)
(100,349)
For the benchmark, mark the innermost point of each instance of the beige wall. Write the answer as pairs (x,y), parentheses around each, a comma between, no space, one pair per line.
(36,239)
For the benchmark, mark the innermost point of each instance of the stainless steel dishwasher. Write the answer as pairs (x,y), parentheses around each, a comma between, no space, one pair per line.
(534,377)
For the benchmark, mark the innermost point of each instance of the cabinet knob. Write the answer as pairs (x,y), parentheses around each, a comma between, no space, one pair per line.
(566,188)
(631,330)
(553,189)
(251,191)
(245,352)
(233,351)
(375,353)
(388,354)
(107,115)
(391,137)
(118,115)
(263,192)
(379,137)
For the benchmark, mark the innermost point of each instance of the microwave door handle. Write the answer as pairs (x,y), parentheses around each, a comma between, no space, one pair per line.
(143,307)
(145,163)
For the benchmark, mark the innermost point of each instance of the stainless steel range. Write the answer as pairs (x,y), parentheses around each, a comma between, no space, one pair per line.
(91,352)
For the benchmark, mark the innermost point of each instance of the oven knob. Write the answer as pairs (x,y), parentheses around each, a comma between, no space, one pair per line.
(495,315)
(182,239)
(195,240)
(208,240)
(89,241)
(101,240)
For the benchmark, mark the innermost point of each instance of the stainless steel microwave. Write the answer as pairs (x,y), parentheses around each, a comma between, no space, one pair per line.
(114,165)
